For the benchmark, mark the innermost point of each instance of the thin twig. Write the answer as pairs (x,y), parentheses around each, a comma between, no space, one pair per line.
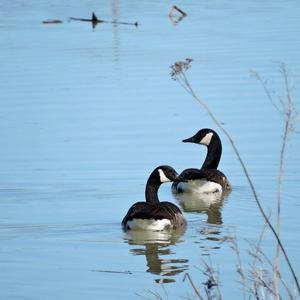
(187,275)
(111,271)
(279,274)
(266,90)
(155,294)
(212,281)
(256,258)
(288,114)
(240,270)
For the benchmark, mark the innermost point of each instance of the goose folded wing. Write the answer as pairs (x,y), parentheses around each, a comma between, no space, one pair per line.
(144,210)
(198,174)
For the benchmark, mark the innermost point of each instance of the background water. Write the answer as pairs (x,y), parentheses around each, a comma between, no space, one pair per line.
(87,114)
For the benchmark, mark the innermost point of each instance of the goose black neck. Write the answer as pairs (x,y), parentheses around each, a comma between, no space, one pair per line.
(152,187)
(214,152)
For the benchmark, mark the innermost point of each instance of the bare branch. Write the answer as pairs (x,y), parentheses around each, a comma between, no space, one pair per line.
(267,91)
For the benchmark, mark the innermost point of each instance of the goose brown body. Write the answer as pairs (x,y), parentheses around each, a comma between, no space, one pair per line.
(152,214)
(207,179)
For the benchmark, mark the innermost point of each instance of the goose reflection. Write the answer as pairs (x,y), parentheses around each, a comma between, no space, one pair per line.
(210,204)
(156,246)
(210,232)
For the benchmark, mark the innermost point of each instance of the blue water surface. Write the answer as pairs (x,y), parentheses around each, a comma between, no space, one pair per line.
(86,114)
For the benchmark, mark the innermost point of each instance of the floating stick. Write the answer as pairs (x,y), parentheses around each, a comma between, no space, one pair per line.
(94,20)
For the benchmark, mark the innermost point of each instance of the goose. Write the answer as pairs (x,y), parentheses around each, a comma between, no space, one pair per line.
(207,179)
(152,214)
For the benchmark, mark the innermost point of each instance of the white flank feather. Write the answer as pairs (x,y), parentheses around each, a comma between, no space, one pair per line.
(148,224)
(199,186)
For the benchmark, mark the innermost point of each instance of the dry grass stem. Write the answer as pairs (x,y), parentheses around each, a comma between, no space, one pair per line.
(197,292)
(239,268)
(178,73)
(156,295)
(212,283)
(287,112)
(257,258)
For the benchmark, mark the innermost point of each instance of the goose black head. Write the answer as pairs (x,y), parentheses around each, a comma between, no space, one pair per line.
(203,137)
(166,174)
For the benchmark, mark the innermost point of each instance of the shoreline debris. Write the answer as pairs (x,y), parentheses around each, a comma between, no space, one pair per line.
(175,18)
(115,272)
(52,21)
(94,20)
(176,8)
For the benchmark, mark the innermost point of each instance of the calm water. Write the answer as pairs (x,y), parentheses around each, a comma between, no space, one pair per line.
(87,114)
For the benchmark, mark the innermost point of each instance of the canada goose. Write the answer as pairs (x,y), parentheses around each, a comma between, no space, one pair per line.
(207,179)
(152,214)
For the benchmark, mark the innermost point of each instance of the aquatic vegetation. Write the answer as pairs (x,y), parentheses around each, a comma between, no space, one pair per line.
(260,282)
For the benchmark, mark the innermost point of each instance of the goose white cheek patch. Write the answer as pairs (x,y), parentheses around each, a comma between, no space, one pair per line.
(206,140)
(162,176)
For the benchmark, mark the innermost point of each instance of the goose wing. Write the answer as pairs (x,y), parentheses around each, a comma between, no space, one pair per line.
(145,210)
(195,174)
(170,208)
(175,215)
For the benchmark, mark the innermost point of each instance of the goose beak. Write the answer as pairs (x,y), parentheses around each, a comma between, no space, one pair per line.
(189,140)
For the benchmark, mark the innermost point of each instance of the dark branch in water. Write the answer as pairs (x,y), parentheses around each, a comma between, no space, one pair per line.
(54,21)
(94,20)
(176,8)
(175,19)
(110,271)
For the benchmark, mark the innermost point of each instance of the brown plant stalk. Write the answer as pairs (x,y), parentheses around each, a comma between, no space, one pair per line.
(287,112)
(178,73)
(197,292)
